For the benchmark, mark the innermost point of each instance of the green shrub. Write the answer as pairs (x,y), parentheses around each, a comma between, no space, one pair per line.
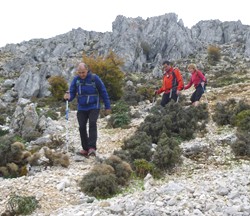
(22,205)
(108,68)
(123,154)
(119,120)
(100,182)
(225,81)
(52,114)
(242,120)
(2,120)
(166,127)
(226,113)
(146,93)
(130,95)
(120,107)
(236,114)
(3,132)
(139,146)
(5,148)
(122,169)
(13,157)
(143,167)
(214,54)
(47,103)
(242,145)
(120,116)
(146,48)
(174,120)
(167,154)
(32,136)
(223,112)
(58,87)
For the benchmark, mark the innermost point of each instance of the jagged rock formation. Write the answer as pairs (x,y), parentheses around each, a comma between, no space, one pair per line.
(141,43)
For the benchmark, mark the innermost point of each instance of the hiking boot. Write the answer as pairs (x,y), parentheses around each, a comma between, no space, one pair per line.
(83,153)
(92,152)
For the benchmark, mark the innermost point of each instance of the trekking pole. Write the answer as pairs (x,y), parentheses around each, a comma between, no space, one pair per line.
(153,100)
(154,97)
(170,94)
(67,124)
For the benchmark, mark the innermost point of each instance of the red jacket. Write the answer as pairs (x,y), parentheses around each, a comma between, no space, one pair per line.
(168,78)
(196,78)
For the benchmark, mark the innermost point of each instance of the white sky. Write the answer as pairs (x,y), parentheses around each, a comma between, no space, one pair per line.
(28,19)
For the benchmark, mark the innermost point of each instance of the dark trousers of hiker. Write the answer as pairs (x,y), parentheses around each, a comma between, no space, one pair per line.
(196,96)
(167,97)
(88,138)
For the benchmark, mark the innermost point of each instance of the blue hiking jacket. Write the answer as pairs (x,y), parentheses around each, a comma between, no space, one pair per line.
(89,92)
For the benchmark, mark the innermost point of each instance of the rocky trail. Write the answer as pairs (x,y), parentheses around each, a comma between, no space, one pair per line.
(214,184)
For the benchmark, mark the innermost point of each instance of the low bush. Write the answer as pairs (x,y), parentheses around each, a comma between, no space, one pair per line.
(120,116)
(242,120)
(122,169)
(143,167)
(58,87)
(130,95)
(167,154)
(166,127)
(175,121)
(22,205)
(214,54)
(145,93)
(3,132)
(139,146)
(100,182)
(242,145)
(226,113)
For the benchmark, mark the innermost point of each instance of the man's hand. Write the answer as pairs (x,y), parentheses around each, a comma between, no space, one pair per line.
(66,96)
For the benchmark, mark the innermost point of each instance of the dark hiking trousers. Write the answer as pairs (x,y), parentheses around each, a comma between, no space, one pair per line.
(166,98)
(88,138)
(196,96)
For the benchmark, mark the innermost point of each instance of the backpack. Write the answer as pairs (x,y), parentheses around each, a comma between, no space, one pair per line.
(205,85)
(174,81)
(205,77)
(79,83)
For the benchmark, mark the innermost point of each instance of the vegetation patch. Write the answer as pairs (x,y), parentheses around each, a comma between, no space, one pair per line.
(21,205)
(236,114)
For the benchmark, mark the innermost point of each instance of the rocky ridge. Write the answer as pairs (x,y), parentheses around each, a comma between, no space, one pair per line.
(143,44)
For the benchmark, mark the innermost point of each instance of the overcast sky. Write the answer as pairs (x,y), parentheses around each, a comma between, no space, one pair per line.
(22,20)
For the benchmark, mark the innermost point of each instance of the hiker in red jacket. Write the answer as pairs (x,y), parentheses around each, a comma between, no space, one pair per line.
(172,83)
(198,80)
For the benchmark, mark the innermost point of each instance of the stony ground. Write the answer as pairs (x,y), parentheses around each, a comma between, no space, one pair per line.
(57,188)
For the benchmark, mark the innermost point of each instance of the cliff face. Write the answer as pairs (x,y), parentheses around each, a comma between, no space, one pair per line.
(143,44)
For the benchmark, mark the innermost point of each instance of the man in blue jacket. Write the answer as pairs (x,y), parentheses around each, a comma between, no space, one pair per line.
(89,89)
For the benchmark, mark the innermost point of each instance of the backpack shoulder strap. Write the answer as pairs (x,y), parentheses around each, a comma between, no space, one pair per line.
(200,72)
(93,77)
(174,81)
(78,81)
